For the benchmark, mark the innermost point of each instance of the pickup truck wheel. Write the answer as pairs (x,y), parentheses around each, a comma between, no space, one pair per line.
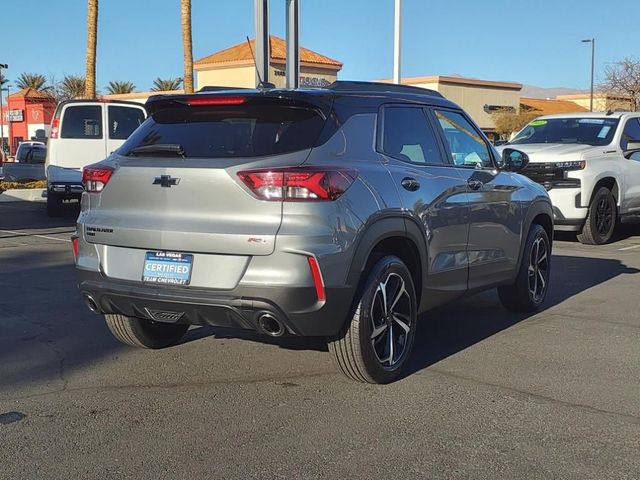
(529,290)
(376,343)
(139,332)
(601,219)
(54,204)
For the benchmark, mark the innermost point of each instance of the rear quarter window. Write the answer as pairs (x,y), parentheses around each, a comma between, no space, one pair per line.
(123,121)
(82,121)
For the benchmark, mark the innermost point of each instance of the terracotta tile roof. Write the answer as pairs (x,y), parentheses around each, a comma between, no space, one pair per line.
(241,53)
(31,94)
(549,107)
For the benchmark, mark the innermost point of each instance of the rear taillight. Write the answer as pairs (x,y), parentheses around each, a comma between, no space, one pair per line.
(298,184)
(55,125)
(96,177)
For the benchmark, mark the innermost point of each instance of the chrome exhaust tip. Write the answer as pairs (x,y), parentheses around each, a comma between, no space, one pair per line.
(270,325)
(91,304)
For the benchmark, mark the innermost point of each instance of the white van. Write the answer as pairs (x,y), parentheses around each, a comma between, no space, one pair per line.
(79,138)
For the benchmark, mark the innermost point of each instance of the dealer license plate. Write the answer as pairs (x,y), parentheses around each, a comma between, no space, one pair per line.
(168,268)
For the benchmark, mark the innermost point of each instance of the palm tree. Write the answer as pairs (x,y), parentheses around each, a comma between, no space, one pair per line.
(164,84)
(185,16)
(92,40)
(116,87)
(37,81)
(71,86)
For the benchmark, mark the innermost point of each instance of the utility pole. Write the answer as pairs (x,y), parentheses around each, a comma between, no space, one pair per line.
(292,69)
(396,41)
(262,41)
(592,41)
(2,154)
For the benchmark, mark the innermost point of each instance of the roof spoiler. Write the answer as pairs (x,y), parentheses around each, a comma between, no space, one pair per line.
(245,96)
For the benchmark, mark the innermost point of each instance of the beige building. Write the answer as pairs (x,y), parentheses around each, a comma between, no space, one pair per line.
(602,102)
(234,66)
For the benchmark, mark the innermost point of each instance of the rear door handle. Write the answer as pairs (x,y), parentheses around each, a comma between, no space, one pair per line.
(475,184)
(409,183)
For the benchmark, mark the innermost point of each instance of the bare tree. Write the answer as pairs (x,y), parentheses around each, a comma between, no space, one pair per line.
(622,78)
(508,122)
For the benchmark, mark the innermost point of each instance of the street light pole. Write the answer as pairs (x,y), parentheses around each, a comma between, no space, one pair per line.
(2,154)
(397,28)
(592,41)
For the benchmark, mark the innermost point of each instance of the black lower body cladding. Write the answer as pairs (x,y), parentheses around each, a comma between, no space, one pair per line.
(295,307)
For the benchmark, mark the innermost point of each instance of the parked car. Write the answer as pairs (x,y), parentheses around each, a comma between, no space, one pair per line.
(341,212)
(84,132)
(590,164)
(28,164)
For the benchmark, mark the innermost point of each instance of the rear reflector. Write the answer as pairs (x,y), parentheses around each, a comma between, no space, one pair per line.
(74,246)
(298,184)
(317,278)
(216,101)
(95,177)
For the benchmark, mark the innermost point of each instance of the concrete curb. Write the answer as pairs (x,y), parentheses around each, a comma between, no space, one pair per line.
(24,195)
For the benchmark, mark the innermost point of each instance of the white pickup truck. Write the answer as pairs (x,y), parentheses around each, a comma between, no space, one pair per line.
(590,165)
(84,132)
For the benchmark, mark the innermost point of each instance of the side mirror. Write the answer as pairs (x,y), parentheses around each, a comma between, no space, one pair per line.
(514,160)
(632,147)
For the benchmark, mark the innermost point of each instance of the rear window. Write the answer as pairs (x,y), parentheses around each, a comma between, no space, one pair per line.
(123,121)
(243,131)
(82,121)
(29,154)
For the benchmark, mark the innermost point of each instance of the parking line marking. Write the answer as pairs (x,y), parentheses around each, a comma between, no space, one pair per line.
(35,235)
(629,248)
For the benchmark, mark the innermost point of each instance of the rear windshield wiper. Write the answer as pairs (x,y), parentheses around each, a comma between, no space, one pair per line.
(158,149)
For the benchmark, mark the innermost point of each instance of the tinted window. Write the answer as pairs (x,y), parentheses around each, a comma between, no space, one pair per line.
(21,155)
(585,131)
(631,133)
(408,136)
(33,155)
(467,146)
(82,121)
(242,131)
(123,121)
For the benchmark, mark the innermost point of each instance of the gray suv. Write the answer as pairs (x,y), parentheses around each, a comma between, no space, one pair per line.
(341,212)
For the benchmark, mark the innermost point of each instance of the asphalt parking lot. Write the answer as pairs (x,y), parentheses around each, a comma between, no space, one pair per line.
(488,394)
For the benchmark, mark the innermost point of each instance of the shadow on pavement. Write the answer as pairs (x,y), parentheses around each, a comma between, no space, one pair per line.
(23,215)
(622,232)
(450,329)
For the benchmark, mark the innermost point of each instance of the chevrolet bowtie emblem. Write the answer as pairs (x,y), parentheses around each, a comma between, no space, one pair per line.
(166,181)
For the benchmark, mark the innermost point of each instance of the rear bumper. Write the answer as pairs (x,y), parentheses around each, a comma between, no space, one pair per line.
(296,307)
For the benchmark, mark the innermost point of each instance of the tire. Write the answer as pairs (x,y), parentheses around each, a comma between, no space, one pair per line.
(528,292)
(362,350)
(54,204)
(139,332)
(601,219)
